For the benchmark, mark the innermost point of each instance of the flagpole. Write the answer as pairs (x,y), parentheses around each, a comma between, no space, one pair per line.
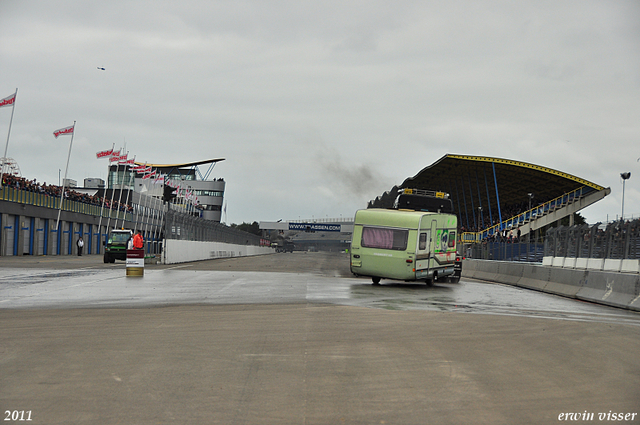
(135,227)
(113,191)
(126,202)
(156,220)
(148,222)
(160,227)
(120,195)
(6,146)
(65,178)
(143,228)
(104,194)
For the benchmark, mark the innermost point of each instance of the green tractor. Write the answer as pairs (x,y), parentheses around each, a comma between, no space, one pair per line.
(116,245)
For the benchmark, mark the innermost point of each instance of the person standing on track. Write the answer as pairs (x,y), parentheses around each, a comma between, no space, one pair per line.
(138,242)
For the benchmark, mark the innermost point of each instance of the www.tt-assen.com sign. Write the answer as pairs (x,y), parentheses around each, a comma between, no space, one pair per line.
(315,227)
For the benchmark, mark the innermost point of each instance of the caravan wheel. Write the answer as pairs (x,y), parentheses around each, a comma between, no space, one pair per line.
(376,280)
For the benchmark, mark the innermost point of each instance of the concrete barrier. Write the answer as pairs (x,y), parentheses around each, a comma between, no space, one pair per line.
(604,287)
(611,265)
(569,263)
(608,264)
(511,273)
(565,282)
(179,251)
(486,270)
(630,266)
(595,263)
(616,289)
(469,268)
(581,263)
(534,276)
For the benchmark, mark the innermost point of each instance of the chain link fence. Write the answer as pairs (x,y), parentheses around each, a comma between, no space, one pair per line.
(179,225)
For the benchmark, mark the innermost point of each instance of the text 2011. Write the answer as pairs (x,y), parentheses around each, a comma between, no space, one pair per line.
(17,415)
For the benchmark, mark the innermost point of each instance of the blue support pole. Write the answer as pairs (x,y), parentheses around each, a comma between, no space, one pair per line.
(480,203)
(473,208)
(464,198)
(486,183)
(458,199)
(493,164)
(45,235)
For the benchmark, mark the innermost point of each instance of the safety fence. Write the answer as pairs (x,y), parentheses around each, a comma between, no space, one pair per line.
(503,251)
(32,231)
(186,227)
(615,240)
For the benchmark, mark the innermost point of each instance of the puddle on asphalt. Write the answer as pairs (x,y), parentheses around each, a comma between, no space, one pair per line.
(36,278)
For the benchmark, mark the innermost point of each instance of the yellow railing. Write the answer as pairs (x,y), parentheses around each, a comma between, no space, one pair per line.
(527,216)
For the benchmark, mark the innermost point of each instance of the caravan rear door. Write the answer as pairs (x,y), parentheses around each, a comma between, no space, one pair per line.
(424,250)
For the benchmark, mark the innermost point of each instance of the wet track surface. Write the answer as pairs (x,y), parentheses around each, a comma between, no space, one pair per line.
(296,339)
(310,277)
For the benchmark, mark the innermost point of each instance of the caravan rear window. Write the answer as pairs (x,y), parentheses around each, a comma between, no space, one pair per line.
(376,237)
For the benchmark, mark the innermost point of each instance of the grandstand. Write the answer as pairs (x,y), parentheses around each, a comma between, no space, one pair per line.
(492,196)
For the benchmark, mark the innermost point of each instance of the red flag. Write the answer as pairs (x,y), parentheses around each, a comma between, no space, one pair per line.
(104,154)
(8,101)
(148,176)
(63,131)
(118,158)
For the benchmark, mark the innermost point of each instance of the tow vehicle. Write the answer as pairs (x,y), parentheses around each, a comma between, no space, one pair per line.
(116,245)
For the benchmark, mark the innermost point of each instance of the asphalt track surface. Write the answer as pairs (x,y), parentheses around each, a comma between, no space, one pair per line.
(295,339)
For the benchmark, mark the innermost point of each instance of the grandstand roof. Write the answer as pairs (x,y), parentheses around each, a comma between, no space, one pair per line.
(470,182)
(183,165)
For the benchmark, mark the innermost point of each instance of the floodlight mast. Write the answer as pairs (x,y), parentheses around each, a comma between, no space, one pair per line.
(625,177)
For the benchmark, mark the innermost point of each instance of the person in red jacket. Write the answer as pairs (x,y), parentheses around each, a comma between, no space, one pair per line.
(138,242)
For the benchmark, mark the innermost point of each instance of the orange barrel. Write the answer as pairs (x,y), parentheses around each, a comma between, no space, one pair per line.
(135,262)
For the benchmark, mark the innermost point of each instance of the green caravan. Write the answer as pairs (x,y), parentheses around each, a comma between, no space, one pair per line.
(404,245)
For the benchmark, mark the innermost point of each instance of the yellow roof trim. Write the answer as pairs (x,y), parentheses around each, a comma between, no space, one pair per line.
(526,165)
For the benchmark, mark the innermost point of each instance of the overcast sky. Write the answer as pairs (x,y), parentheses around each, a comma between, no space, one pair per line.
(320,106)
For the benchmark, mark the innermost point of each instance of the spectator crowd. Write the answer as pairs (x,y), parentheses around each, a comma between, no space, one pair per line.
(21,183)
